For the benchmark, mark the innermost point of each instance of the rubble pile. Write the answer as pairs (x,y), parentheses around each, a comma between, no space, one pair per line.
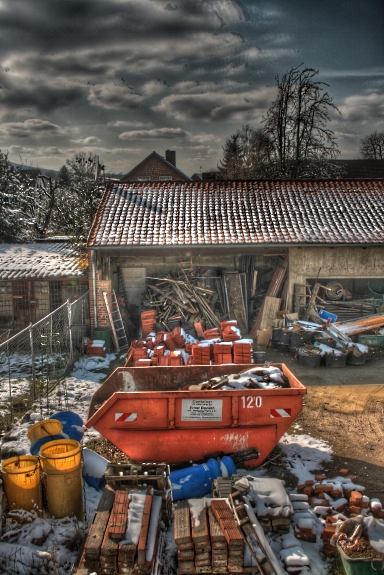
(217,346)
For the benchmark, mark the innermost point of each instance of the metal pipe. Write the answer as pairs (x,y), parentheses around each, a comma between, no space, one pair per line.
(93,262)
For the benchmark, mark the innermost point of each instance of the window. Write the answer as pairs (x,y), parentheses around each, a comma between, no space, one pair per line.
(143,178)
(165,178)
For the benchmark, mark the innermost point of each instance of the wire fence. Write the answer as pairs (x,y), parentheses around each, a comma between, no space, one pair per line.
(38,357)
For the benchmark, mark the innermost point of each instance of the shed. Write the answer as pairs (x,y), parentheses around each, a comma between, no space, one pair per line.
(334,228)
(36,278)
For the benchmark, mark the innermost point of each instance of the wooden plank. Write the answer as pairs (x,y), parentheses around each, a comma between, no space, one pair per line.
(99,525)
(270,307)
(236,306)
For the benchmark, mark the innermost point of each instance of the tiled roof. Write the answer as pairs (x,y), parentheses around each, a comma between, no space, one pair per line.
(40,260)
(234,212)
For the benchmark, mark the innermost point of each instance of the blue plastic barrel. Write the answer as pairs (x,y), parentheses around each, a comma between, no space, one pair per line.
(35,447)
(72,424)
(196,481)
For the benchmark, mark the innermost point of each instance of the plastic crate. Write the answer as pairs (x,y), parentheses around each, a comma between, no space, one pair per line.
(360,565)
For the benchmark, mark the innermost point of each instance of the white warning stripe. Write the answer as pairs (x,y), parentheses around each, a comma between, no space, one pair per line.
(280,413)
(125,416)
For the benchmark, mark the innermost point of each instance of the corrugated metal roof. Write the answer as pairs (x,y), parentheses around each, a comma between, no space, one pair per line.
(234,212)
(40,260)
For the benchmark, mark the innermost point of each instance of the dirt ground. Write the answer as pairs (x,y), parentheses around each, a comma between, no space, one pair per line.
(345,407)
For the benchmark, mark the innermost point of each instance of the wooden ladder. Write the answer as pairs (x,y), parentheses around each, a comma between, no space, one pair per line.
(117,326)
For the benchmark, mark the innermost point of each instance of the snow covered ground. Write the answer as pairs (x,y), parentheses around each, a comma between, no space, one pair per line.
(42,545)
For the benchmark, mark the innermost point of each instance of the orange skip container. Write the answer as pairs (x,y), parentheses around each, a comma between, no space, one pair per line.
(145,413)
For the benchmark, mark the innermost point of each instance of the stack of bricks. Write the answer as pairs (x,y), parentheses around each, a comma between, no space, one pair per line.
(222,352)
(218,543)
(171,348)
(106,551)
(232,533)
(96,348)
(148,320)
(201,542)
(183,538)
(242,351)
(211,542)
(201,354)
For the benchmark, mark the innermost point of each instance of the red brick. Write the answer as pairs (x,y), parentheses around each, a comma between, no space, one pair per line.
(353,478)
(354,509)
(328,532)
(308,491)
(356,498)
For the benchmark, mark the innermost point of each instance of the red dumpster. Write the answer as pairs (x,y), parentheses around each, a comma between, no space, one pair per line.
(144,413)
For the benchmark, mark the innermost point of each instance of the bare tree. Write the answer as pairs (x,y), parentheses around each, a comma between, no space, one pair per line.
(296,125)
(372,146)
(246,154)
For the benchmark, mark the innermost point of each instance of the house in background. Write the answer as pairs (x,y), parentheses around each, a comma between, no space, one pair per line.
(36,279)
(155,168)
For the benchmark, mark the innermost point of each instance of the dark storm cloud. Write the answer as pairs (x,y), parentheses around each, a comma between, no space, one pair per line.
(42,98)
(163,69)
(216,105)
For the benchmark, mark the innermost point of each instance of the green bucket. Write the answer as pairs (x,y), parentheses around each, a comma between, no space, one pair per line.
(376,289)
(371,340)
(361,565)
(103,333)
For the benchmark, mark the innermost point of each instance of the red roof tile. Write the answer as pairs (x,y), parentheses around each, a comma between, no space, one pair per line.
(234,212)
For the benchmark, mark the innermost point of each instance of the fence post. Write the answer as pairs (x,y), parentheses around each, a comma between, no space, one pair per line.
(33,361)
(70,331)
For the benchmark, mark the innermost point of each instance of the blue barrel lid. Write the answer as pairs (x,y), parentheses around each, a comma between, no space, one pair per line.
(228,463)
(35,447)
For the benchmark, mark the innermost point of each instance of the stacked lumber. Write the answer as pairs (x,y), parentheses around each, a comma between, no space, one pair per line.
(96,348)
(184,297)
(208,540)
(177,348)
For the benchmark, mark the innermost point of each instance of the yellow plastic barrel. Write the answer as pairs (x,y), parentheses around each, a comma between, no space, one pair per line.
(44,428)
(21,476)
(60,456)
(64,493)
(61,463)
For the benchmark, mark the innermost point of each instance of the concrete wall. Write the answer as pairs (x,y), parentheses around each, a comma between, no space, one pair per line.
(160,265)
(342,262)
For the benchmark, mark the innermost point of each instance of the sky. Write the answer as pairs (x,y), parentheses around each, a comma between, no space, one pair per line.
(121,78)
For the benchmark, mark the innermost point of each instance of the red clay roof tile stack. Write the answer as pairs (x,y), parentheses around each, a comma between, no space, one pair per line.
(240,212)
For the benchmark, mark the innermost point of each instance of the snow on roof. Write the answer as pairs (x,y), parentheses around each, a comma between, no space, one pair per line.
(240,213)
(42,260)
